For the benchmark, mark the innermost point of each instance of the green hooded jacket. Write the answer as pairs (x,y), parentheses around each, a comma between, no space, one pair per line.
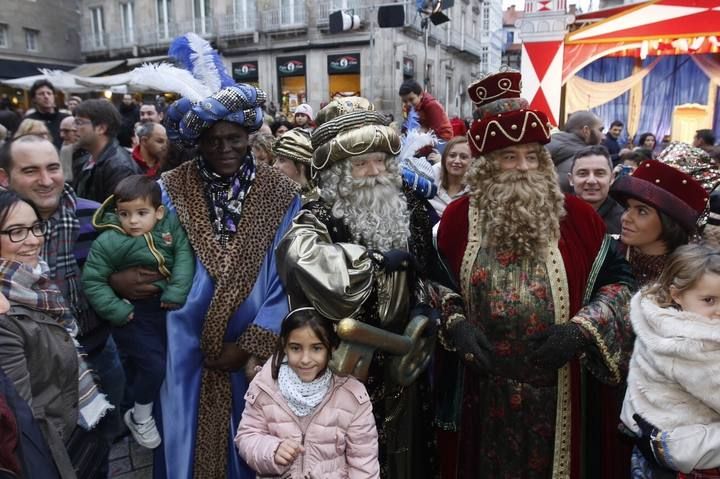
(166,248)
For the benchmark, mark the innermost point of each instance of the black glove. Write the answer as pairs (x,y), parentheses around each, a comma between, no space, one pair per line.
(394,260)
(645,442)
(471,344)
(557,345)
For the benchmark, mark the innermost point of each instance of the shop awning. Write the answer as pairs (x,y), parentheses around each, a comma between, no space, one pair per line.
(95,69)
(133,62)
(19,69)
(61,80)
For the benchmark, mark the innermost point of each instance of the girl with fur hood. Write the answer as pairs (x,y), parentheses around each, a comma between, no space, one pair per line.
(302,421)
(674,373)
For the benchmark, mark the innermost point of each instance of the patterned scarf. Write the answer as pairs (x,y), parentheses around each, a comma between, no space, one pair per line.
(302,397)
(226,195)
(57,252)
(33,289)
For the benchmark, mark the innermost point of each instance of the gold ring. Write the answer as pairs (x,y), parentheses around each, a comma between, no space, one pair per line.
(469,357)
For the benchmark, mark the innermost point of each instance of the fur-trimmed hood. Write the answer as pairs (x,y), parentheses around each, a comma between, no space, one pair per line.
(675,367)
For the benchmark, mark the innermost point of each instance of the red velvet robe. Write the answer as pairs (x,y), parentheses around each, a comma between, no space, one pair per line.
(582,233)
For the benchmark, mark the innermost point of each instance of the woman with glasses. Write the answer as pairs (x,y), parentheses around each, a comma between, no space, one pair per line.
(37,345)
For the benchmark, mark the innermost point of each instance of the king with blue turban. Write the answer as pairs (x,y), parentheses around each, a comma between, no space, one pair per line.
(234,211)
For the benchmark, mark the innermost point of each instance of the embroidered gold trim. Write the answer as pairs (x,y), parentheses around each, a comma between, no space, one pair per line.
(454,319)
(471,251)
(563,418)
(445,342)
(520,134)
(611,362)
(561,302)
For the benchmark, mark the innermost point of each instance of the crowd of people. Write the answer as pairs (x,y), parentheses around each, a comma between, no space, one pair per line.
(339,295)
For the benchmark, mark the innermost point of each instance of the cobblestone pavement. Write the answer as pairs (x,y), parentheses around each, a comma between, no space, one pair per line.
(130,461)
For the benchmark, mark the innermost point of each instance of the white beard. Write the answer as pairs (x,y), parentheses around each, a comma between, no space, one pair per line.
(375,210)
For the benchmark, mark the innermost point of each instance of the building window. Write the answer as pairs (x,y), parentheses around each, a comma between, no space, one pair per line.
(486,18)
(484,57)
(201,13)
(4,36)
(97,26)
(287,12)
(164,13)
(31,40)
(127,23)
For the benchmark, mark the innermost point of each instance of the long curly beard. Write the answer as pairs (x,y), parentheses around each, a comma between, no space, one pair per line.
(374,208)
(520,211)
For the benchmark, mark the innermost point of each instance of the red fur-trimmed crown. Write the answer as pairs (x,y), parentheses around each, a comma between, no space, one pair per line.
(505,118)
(494,87)
(506,129)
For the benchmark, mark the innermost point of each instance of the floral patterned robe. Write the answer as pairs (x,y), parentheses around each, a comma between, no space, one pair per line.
(521,421)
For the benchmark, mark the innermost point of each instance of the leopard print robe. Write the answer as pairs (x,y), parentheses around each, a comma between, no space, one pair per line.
(234,268)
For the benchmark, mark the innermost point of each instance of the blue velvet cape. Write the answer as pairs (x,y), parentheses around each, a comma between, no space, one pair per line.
(266,306)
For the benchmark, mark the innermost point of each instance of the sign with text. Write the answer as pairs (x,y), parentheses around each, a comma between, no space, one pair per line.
(348,63)
(291,66)
(245,71)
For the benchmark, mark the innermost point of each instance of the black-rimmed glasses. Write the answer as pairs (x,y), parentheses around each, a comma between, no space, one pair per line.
(19,234)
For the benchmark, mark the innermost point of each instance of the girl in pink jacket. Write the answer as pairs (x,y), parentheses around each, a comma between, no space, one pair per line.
(301,421)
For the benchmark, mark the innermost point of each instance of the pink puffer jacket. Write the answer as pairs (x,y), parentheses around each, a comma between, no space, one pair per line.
(340,439)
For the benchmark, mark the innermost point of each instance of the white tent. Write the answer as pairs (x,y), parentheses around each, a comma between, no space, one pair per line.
(61,80)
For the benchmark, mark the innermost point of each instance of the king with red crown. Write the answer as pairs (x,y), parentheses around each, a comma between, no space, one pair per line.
(545,293)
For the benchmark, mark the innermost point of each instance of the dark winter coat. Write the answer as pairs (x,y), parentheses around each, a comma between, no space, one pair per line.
(97,180)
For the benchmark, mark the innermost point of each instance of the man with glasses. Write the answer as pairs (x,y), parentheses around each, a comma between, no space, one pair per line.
(68,133)
(30,166)
(98,122)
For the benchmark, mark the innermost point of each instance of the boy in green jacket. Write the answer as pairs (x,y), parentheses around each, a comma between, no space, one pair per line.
(138,231)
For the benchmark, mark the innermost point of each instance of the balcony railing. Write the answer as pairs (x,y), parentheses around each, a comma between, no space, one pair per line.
(462,43)
(205,27)
(238,25)
(285,18)
(94,42)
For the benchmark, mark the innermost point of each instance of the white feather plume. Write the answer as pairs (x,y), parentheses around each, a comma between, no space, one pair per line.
(204,67)
(167,78)
(413,141)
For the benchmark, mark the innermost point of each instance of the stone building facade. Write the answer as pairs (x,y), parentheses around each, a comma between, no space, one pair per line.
(38,33)
(285,46)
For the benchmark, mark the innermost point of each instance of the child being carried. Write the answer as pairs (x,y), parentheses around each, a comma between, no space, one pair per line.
(139,231)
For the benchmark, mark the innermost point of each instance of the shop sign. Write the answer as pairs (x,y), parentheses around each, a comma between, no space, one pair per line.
(245,71)
(408,67)
(348,63)
(291,66)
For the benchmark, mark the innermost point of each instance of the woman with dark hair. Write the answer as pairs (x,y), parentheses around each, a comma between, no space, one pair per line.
(450,173)
(38,350)
(648,141)
(280,127)
(664,207)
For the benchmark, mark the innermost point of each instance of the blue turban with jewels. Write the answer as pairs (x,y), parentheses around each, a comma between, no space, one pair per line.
(216,97)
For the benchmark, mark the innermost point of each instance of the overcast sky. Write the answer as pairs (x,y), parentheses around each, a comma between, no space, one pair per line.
(583,4)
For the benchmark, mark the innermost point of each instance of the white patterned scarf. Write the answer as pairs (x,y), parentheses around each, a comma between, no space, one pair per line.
(302,397)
